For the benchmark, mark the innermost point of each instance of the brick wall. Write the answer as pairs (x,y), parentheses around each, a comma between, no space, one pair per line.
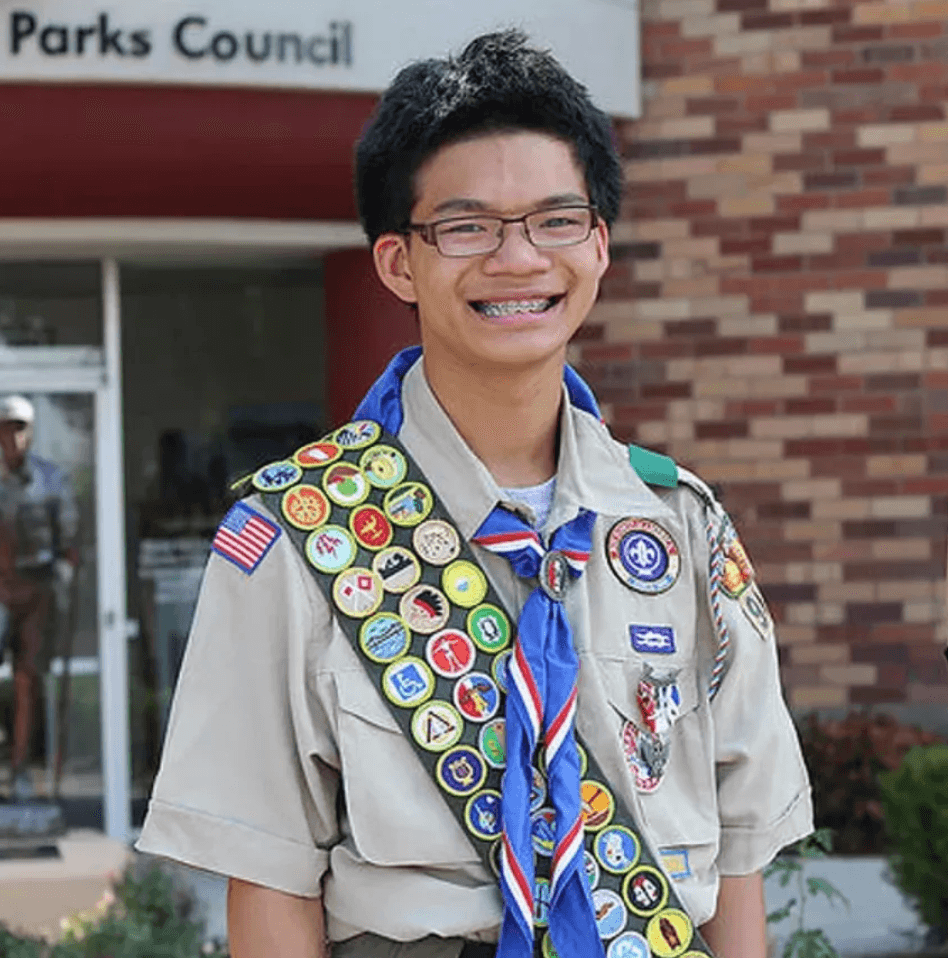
(776,315)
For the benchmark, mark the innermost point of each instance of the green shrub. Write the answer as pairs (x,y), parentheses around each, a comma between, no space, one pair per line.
(143,917)
(915,799)
(845,758)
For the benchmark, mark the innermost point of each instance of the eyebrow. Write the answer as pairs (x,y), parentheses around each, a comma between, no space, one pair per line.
(466,205)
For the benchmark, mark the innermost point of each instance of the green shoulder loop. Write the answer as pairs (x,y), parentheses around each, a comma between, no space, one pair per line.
(653,467)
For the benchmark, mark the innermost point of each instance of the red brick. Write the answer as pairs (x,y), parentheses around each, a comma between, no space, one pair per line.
(739,6)
(860,279)
(862,242)
(850,34)
(775,301)
(794,365)
(861,199)
(915,31)
(776,345)
(719,227)
(656,29)
(873,695)
(862,613)
(937,92)
(667,390)
(806,323)
(774,224)
(927,486)
(835,384)
(834,139)
(661,70)
(800,162)
(831,16)
(721,346)
(836,261)
(936,297)
(861,75)
(611,352)
(776,264)
(691,328)
(693,208)
(859,157)
(810,407)
(854,117)
(920,113)
(802,79)
(769,285)
(771,101)
(734,429)
(766,21)
(900,570)
(837,467)
(677,49)
(868,404)
(827,58)
(749,408)
(738,247)
(919,72)
(738,125)
(712,105)
(895,175)
(666,349)
(588,333)
(804,202)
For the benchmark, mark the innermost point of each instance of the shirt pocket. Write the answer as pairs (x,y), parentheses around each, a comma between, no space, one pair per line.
(680,816)
(395,812)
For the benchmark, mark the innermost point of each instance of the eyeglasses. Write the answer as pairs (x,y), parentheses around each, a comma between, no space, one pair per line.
(477,235)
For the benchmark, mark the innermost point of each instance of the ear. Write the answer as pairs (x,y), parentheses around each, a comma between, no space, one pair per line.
(602,245)
(390,253)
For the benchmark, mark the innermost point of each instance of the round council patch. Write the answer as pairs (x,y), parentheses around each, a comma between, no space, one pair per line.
(331,549)
(408,504)
(277,476)
(643,555)
(436,726)
(464,584)
(408,682)
(461,771)
(371,527)
(477,697)
(610,912)
(384,637)
(314,455)
(384,466)
(450,653)
(597,805)
(398,569)
(355,435)
(425,608)
(489,628)
(357,592)
(617,849)
(436,541)
(482,815)
(669,933)
(493,743)
(305,507)
(345,484)
(645,890)
(630,944)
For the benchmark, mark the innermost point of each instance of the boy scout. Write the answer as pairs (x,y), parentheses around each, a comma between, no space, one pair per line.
(337,740)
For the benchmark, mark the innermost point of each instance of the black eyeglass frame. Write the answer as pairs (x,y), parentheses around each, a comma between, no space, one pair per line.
(427,230)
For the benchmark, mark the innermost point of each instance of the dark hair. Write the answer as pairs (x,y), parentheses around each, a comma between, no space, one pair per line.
(497,84)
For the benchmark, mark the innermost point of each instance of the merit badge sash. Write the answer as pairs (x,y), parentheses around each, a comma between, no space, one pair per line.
(435,638)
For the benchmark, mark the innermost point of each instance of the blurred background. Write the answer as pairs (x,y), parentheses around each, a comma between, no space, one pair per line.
(185,292)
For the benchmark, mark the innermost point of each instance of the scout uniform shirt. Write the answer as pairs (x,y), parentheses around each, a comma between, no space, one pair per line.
(283,763)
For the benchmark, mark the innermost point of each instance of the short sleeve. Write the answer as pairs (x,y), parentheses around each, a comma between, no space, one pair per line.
(763,789)
(247,785)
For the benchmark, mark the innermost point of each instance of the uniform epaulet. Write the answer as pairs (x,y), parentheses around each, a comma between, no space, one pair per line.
(654,468)
(702,490)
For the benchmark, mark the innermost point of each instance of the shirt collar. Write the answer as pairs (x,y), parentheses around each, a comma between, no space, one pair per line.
(593,470)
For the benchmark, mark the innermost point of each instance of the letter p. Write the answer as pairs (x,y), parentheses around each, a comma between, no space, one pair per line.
(22,25)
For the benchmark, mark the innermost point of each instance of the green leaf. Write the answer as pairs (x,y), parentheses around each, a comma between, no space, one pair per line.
(820,886)
(781,913)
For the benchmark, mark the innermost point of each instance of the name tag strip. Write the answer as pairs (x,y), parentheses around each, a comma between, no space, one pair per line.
(435,638)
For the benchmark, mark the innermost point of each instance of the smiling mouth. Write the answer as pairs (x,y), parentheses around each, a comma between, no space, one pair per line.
(514,307)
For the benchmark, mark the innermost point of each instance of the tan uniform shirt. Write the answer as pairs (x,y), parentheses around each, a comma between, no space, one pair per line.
(282,762)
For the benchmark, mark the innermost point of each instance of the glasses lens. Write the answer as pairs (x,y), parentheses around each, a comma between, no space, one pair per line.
(468,236)
(560,227)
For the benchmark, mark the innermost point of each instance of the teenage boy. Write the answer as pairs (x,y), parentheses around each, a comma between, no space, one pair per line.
(331,758)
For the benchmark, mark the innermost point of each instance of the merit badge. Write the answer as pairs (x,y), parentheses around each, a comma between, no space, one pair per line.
(345,484)
(436,541)
(610,912)
(597,805)
(317,454)
(494,857)
(590,869)
(489,628)
(755,608)
(450,653)
(643,555)
(546,947)
(407,682)
(477,697)
(370,527)
(408,504)
(305,507)
(652,639)
(384,637)
(493,743)
(384,466)
(425,608)
(738,571)
(541,902)
(398,569)
(537,789)
(645,890)
(498,668)
(358,592)
(482,815)
(543,831)
(629,944)
(436,726)
(277,476)
(331,549)
(461,771)
(355,435)
(617,849)
(581,752)
(464,584)
(676,863)
(669,933)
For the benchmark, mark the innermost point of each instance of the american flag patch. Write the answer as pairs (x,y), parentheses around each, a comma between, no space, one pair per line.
(245,537)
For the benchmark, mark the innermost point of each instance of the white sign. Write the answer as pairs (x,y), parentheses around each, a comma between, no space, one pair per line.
(316,44)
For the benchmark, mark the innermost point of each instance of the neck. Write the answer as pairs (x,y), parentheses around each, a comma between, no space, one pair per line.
(508,417)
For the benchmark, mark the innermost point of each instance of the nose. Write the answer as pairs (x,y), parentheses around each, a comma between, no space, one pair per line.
(516,254)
